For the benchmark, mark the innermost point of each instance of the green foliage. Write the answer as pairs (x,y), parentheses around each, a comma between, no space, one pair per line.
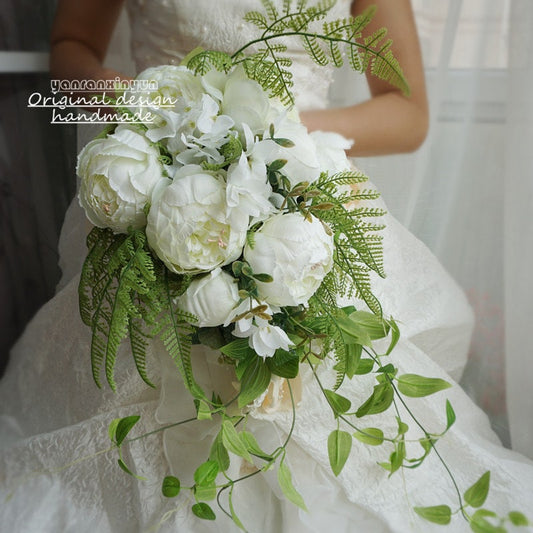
(324,44)
(339,447)
(476,495)
(358,246)
(171,487)
(438,514)
(124,291)
(288,488)
(269,65)
(419,386)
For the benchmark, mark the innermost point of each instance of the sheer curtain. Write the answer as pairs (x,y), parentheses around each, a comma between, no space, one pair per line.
(468,191)
(519,228)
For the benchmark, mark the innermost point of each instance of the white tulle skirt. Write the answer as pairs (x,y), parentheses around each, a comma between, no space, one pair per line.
(58,473)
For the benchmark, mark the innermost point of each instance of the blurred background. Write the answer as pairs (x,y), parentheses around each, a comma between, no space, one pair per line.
(467,193)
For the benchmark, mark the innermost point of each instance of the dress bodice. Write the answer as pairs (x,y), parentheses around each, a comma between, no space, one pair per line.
(165,31)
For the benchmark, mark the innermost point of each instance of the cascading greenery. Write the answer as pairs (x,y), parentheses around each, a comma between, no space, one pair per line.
(125,291)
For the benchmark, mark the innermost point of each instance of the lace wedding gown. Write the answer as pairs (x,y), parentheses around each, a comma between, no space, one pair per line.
(53,414)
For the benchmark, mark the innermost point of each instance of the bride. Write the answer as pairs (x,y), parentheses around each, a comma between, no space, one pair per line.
(57,472)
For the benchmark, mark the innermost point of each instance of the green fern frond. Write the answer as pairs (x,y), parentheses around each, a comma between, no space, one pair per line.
(336,54)
(256,18)
(270,9)
(176,336)
(207,60)
(117,286)
(139,348)
(312,47)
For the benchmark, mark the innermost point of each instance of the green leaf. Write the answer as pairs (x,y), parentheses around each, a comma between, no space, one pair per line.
(219,453)
(518,519)
(202,510)
(122,427)
(206,473)
(476,495)
(205,492)
(238,349)
(397,457)
(277,164)
(364,366)
(372,436)
(285,482)
(379,401)
(416,386)
(171,487)
(254,381)
(438,514)
(425,442)
(339,448)
(264,278)
(253,447)
(351,332)
(450,415)
(479,524)
(353,358)
(285,143)
(387,369)
(375,326)
(233,442)
(284,364)
(395,336)
(338,403)
(403,428)
(122,465)
(112,429)
(204,412)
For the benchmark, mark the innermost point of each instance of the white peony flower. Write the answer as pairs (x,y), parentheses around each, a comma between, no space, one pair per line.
(331,151)
(118,174)
(297,253)
(302,162)
(178,93)
(211,298)
(189,227)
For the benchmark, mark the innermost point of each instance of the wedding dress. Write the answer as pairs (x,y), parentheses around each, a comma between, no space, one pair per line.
(53,415)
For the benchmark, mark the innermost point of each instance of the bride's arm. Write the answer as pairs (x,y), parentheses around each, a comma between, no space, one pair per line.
(79,39)
(389,122)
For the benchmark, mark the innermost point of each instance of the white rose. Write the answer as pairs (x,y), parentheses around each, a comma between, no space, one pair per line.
(296,253)
(331,151)
(178,91)
(118,174)
(211,298)
(302,163)
(188,225)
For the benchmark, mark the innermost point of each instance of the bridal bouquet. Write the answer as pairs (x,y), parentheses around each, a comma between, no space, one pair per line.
(220,220)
